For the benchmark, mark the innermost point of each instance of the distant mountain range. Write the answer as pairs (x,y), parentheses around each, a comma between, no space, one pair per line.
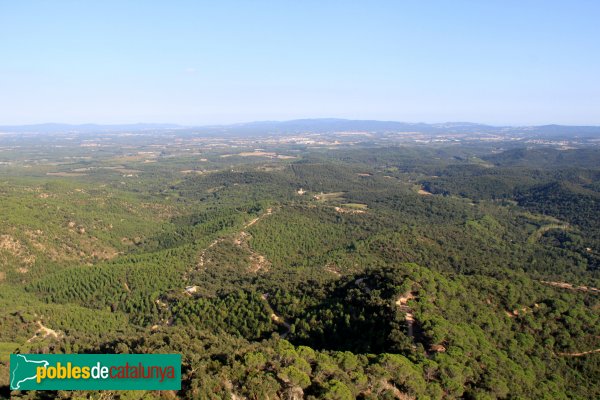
(326,125)
(322,125)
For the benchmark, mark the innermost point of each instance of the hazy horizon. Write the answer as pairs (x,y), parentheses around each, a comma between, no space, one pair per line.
(200,125)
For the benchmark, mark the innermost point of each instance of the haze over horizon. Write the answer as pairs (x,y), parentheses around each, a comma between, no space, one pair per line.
(508,63)
(167,124)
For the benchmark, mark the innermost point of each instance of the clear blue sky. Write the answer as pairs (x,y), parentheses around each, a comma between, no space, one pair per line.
(199,62)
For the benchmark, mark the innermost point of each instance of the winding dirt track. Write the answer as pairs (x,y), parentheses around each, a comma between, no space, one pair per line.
(570,286)
(402,303)
(279,320)
(240,236)
(583,353)
(45,331)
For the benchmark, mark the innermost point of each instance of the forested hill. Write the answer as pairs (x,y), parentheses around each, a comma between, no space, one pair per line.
(332,273)
(547,157)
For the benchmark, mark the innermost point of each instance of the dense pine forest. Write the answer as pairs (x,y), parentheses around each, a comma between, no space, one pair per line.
(290,272)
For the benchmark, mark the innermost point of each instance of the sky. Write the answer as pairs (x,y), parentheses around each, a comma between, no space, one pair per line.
(199,62)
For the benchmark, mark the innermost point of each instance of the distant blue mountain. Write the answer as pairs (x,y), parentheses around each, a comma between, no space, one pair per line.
(326,125)
(320,125)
